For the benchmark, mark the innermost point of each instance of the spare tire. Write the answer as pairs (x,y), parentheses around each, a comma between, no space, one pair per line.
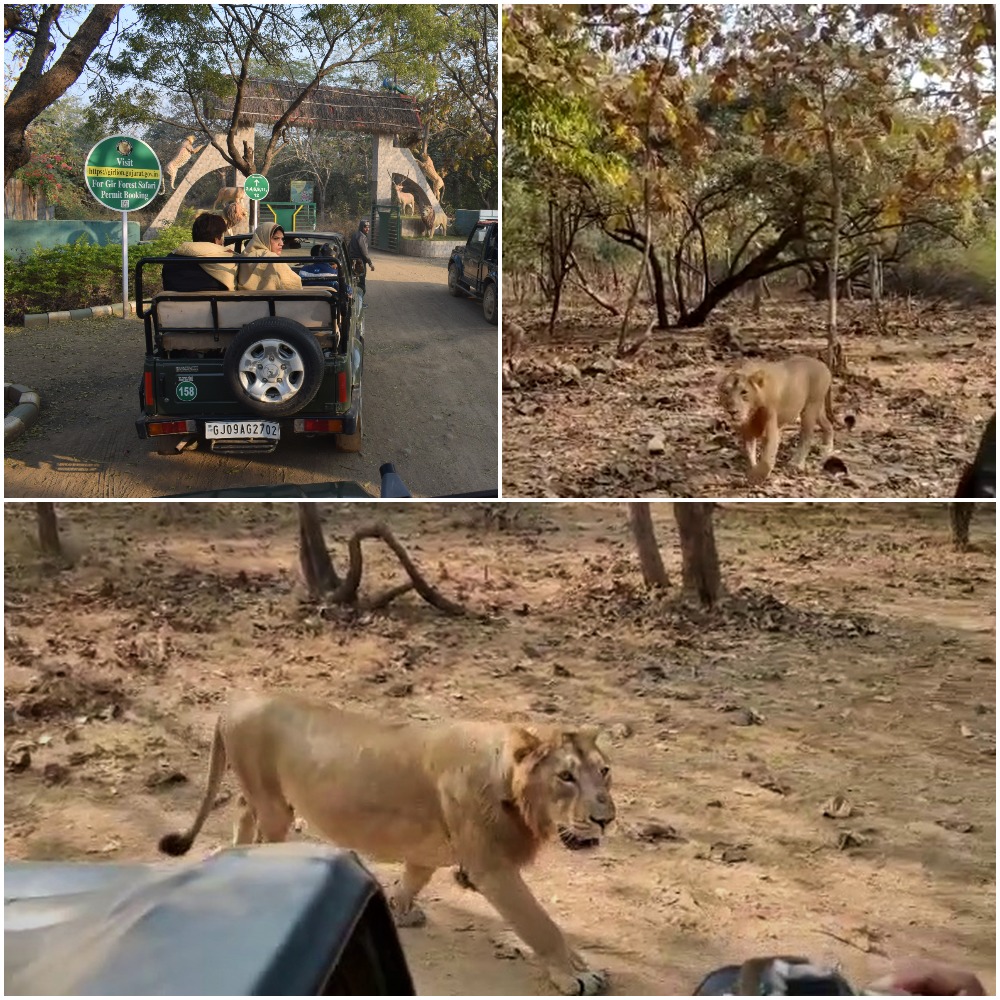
(274,366)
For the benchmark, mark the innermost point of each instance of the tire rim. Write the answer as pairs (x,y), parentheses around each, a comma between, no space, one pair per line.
(452,277)
(271,371)
(491,301)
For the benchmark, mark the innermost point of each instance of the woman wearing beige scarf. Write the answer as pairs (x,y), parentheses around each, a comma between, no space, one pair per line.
(267,241)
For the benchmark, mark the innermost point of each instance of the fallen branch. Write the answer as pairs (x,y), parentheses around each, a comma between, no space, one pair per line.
(314,559)
(629,350)
(347,592)
(581,283)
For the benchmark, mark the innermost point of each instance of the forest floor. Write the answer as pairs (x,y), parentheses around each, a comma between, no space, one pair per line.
(855,658)
(580,422)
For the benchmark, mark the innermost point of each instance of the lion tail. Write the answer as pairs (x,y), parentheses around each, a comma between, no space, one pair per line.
(178,843)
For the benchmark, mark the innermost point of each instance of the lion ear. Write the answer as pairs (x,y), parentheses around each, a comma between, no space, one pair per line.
(522,743)
(587,734)
(756,378)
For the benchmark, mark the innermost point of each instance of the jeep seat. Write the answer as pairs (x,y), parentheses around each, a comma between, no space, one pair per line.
(187,320)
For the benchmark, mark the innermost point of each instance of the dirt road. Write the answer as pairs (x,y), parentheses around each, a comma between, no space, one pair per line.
(430,389)
(856,659)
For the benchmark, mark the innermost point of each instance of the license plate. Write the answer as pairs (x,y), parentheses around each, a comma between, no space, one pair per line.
(236,430)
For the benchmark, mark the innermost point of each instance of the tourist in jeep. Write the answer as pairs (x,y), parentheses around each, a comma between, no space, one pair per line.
(187,274)
(268,241)
(319,272)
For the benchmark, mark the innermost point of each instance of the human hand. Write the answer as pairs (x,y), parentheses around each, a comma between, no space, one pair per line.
(921,977)
(371,266)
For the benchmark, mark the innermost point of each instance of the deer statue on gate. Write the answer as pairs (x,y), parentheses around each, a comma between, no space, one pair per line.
(405,199)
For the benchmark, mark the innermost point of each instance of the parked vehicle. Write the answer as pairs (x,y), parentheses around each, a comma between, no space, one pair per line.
(237,370)
(474,269)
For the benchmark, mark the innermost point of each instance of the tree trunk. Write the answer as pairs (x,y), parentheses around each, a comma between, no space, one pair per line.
(640,274)
(662,319)
(554,313)
(314,558)
(640,520)
(20,202)
(874,276)
(631,238)
(832,354)
(700,560)
(321,207)
(757,267)
(48,529)
(37,87)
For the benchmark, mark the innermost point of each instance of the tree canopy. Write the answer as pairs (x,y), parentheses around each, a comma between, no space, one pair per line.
(169,70)
(729,142)
(35,77)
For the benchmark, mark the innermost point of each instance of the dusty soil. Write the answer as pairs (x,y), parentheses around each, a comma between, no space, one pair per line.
(430,404)
(580,423)
(856,659)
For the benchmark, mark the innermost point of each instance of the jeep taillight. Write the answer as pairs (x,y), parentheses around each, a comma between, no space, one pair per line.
(311,425)
(341,387)
(171,427)
(147,388)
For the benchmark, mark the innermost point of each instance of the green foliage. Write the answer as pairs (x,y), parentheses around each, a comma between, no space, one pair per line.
(185,56)
(748,133)
(966,274)
(552,99)
(524,225)
(77,276)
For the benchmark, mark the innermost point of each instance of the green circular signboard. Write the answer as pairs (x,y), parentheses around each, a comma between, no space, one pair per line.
(256,187)
(187,391)
(122,173)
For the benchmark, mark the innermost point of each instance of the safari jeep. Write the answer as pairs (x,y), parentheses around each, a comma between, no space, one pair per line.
(237,371)
(474,268)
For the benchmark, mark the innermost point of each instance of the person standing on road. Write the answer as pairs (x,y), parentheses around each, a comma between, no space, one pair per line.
(357,249)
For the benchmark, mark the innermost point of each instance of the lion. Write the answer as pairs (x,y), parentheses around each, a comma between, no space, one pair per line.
(185,151)
(763,397)
(432,220)
(228,194)
(481,796)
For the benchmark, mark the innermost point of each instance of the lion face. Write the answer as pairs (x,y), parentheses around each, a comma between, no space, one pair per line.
(563,783)
(740,394)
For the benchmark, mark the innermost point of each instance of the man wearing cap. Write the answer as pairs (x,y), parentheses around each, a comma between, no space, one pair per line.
(357,249)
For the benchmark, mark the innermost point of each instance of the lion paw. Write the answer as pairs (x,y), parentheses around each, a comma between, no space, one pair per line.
(412,917)
(587,983)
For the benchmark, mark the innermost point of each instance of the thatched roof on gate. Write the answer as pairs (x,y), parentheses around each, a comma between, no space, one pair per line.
(333,108)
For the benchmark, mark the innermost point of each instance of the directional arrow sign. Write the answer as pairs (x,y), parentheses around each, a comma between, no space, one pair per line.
(256,187)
